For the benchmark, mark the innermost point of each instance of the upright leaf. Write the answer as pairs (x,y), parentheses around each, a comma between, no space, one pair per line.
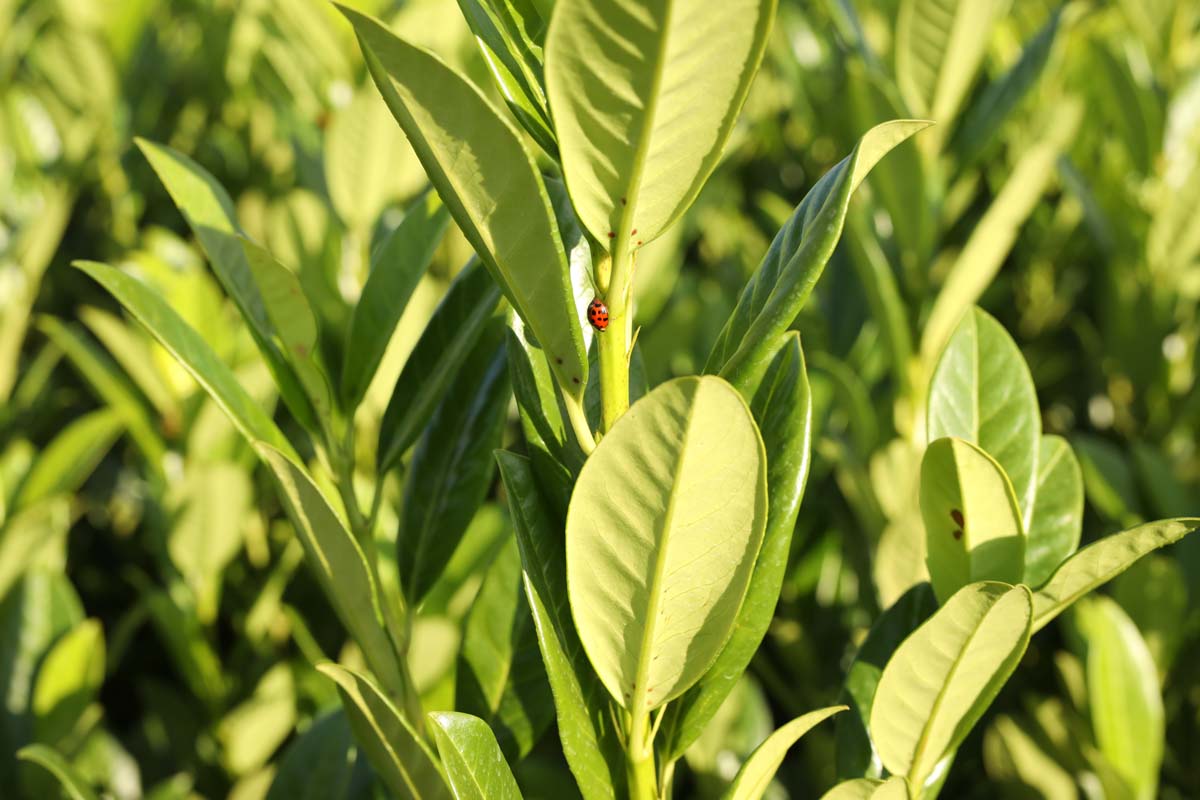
(336,558)
(1124,695)
(755,776)
(797,256)
(435,360)
(644,96)
(939,47)
(67,681)
(500,674)
(489,181)
(72,783)
(982,393)
(452,467)
(396,751)
(668,515)
(474,763)
(396,267)
(64,464)
(973,528)
(1102,561)
(782,408)
(1057,519)
(943,677)
(192,351)
(589,741)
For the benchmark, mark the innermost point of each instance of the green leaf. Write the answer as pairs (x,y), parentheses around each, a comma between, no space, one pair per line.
(509,33)
(210,214)
(336,558)
(756,774)
(192,351)
(982,392)
(644,97)
(112,387)
(500,674)
(67,682)
(251,731)
(490,183)
(973,527)
(207,534)
(668,514)
(130,348)
(779,288)
(944,676)
(73,784)
(856,754)
(1057,513)
(993,236)
(294,324)
(71,457)
(396,267)
(585,727)
(1102,561)
(38,610)
(474,763)
(34,538)
(782,408)
(985,117)
(894,788)
(452,467)
(939,47)
(1124,696)
(1108,478)
(434,361)
(396,751)
(319,764)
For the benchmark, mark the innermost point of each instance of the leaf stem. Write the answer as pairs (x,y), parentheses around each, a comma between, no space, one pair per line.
(640,774)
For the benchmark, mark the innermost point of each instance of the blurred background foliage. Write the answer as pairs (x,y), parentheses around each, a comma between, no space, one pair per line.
(155,626)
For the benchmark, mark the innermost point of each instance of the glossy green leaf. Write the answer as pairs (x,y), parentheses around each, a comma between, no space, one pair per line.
(1102,561)
(435,360)
(939,47)
(111,385)
(982,392)
(336,558)
(192,351)
(319,764)
(69,459)
(509,33)
(1124,695)
(985,117)
(894,788)
(756,774)
(67,682)
(490,183)
(452,467)
(474,764)
(73,784)
(668,513)
(396,751)
(973,528)
(782,408)
(585,727)
(797,257)
(396,267)
(944,676)
(294,323)
(1057,520)
(210,214)
(38,610)
(500,674)
(644,97)
(855,752)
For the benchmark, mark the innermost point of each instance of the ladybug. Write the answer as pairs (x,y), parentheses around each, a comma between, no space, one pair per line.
(597,314)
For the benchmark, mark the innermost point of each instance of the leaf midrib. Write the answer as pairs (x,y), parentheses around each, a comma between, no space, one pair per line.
(650,630)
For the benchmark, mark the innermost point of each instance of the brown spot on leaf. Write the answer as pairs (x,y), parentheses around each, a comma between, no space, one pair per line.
(574,380)
(957,516)
(958,534)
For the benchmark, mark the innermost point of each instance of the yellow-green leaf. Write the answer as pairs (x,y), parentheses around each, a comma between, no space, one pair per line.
(756,774)
(474,764)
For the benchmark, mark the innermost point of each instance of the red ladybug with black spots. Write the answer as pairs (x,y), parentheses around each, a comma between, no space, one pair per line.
(597,314)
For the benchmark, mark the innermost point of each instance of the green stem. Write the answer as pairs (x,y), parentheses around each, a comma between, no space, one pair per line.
(639,759)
